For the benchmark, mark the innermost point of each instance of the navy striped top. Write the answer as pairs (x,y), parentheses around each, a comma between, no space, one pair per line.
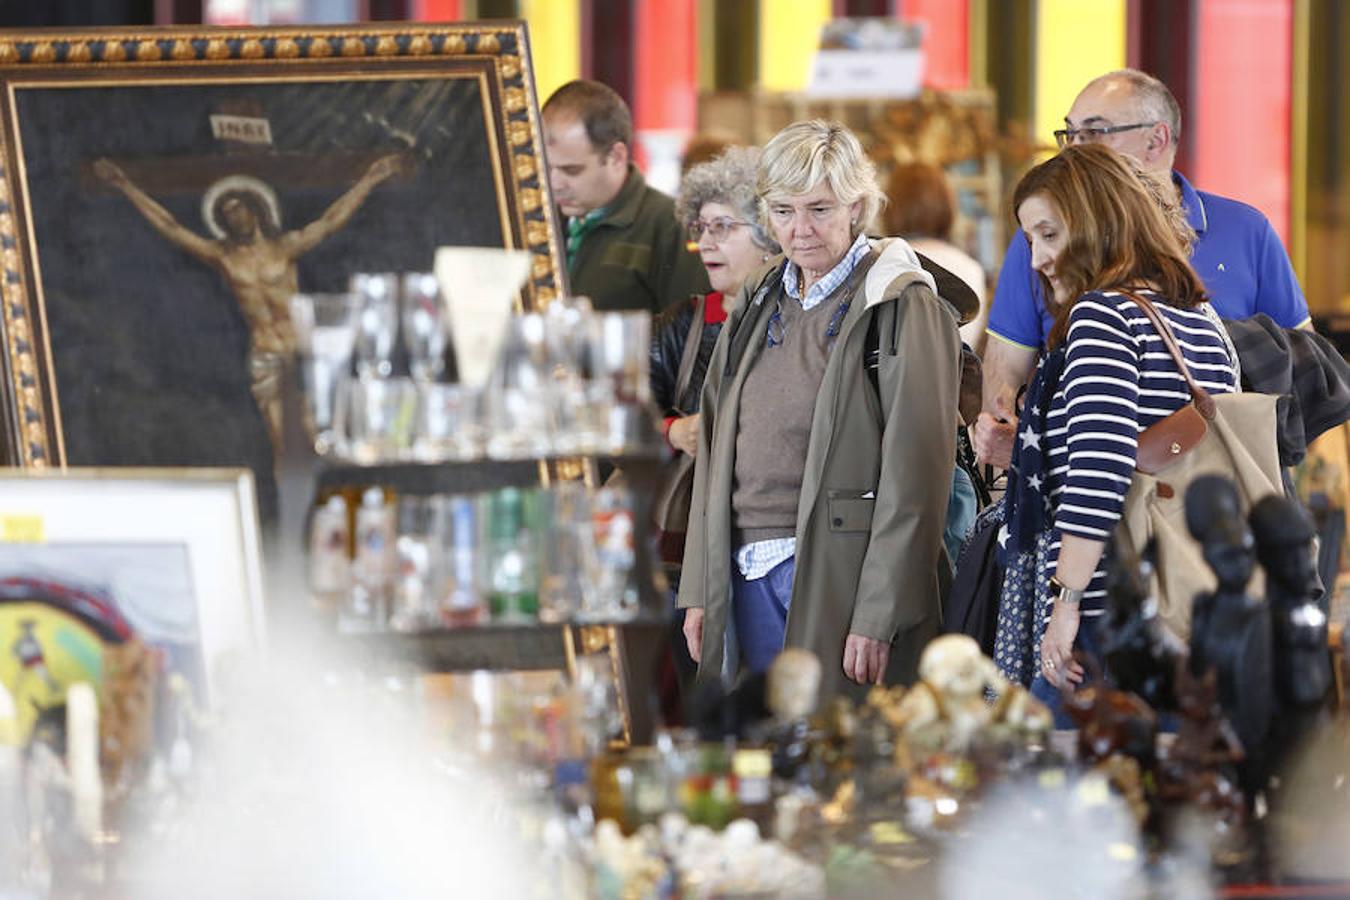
(1118,379)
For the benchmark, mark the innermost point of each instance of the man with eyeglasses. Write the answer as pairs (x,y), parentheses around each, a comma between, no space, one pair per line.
(1237,253)
(624,248)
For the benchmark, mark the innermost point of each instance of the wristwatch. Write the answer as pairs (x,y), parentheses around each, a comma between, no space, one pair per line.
(1071,596)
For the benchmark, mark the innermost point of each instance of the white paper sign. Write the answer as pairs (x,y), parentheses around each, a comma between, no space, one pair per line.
(866,73)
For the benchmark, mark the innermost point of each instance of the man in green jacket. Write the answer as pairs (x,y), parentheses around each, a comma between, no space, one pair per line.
(624,248)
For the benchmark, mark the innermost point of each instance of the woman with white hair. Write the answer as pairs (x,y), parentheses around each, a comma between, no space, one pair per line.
(827,436)
(718,206)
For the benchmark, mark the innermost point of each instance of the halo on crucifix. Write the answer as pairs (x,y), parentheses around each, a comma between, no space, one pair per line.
(243,184)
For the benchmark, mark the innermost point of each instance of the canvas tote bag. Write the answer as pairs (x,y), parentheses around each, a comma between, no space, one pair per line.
(1227,434)
(670,509)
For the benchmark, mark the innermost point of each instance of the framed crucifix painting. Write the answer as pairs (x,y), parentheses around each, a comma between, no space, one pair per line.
(165,192)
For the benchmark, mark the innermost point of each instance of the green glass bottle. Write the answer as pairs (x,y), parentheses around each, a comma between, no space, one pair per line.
(512,567)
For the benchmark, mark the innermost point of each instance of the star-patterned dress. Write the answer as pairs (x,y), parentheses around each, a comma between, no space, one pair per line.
(1077,437)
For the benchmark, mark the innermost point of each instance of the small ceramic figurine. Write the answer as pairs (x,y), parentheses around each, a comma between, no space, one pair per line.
(1196,771)
(1111,723)
(1140,651)
(1230,631)
(1284,534)
(794,685)
(948,705)
(793,693)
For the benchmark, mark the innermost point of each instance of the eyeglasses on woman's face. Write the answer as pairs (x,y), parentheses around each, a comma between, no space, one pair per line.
(718,229)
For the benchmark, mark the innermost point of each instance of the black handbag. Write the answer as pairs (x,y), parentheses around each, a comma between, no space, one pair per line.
(972,602)
(670,509)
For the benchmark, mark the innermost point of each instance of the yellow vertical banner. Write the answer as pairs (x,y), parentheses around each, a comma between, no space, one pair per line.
(555,42)
(1076,40)
(789,33)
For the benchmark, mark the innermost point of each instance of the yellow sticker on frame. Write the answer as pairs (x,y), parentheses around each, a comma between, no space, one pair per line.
(19,528)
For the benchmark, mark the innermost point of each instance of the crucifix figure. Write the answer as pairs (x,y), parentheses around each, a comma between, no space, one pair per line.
(256,258)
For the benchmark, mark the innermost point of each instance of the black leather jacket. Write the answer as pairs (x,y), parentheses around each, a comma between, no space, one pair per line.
(669,333)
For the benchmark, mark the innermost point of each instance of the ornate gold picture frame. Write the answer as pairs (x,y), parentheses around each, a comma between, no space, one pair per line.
(131,160)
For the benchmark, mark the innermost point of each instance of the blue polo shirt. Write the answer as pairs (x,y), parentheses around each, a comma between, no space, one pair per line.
(1237,255)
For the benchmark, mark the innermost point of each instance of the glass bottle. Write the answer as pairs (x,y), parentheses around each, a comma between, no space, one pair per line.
(567,551)
(461,603)
(414,564)
(330,565)
(367,608)
(512,570)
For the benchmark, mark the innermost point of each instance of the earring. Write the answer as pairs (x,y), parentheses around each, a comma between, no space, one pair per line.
(765,258)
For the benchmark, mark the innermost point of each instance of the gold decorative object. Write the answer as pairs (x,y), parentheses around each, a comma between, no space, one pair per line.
(536,233)
(386,46)
(148,51)
(529,200)
(518,133)
(320,48)
(543,265)
(353,46)
(488,43)
(509,66)
(525,167)
(514,100)
(113,52)
(252,49)
(454,43)
(287,48)
(419,45)
(217,49)
(43,53)
(78,52)
(8,53)
(182,50)
(594,638)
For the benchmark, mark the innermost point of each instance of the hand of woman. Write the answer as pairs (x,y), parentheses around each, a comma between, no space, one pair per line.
(865,659)
(683,434)
(1057,662)
(693,632)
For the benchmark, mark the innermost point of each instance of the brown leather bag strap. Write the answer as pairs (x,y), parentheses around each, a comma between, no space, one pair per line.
(1204,403)
(692,341)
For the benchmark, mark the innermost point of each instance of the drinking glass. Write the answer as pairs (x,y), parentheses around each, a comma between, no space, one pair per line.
(449,426)
(619,392)
(620,354)
(424,331)
(325,331)
(567,542)
(567,326)
(379,419)
(613,595)
(377,324)
(517,400)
